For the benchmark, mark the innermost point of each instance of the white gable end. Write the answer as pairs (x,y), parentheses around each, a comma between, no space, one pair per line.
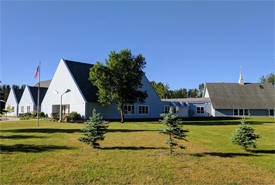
(26,100)
(12,103)
(61,81)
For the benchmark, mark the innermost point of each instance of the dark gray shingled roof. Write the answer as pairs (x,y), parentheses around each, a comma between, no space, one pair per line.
(18,94)
(237,96)
(80,72)
(34,92)
(187,100)
(45,83)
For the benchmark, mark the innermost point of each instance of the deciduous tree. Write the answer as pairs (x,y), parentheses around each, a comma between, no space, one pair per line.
(119,80)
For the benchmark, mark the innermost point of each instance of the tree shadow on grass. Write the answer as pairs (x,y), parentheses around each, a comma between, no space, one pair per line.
(131,130)
(20,137)
(221,154)
(263,151)
(42,130)
(136,130)
(132,148)
(30,148)
(222,123)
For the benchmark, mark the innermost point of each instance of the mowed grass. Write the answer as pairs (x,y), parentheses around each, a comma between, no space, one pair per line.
(135,153)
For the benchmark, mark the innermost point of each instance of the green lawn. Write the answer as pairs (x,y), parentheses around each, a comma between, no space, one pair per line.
(134,153)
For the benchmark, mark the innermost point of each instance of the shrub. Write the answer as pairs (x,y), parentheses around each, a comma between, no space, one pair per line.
(94,130)
(244,136)
(73,116)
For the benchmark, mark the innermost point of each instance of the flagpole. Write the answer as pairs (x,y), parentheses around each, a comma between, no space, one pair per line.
(38,94)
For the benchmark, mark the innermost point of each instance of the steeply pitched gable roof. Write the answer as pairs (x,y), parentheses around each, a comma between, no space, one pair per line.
(34,92)
(45,83)
(237,96)
(18,94)
(80,72)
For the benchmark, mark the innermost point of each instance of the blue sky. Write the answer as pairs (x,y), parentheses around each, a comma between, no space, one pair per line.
(185,43)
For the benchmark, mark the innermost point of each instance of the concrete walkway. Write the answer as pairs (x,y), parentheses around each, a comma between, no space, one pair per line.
(9,119)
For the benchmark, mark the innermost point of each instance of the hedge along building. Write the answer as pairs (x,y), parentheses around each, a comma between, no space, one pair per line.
(12,101)
(241,99)
(28,102)
(70,85)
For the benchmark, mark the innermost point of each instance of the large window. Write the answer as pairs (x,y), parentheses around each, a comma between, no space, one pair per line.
(200,110)
(241,112)
(22,109)
(12,109)
(129,109)
(143,109)
(28,108)
(271,112)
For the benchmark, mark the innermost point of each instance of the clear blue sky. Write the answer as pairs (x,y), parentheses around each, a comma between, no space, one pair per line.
(184,43)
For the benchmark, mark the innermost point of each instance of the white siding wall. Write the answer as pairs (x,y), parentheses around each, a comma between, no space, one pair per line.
(61,81)
(26,100)
(12,102)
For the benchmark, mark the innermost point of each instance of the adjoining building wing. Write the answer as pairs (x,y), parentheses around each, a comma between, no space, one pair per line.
(189,107)
(237,99)
(28,102)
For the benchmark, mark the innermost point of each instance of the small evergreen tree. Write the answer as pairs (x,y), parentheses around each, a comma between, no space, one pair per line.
(244,136)
(173,129)
(94,130)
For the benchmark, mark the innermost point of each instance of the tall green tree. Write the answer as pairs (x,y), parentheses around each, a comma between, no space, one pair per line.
(201,89)
(269,78)
(119,80)
(173,130)
(94,130)
(161,89)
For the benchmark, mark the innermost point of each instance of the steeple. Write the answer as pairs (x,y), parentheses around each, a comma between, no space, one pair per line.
(241,81)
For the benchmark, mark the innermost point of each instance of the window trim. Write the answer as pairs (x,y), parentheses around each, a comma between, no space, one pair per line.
(22,109)
(127,109)
(200,108)
(143,106)
(243,111)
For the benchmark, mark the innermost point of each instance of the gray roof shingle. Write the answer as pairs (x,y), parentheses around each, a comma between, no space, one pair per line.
(80,72)
(237,96)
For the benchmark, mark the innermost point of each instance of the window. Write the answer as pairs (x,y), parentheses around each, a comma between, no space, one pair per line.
(271,112)
(22,109)
(143,109)
(200,110)
(28,108)
(246,112)
(129,109)
(235,112)
(241,112)
(12,109)
(166,109)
